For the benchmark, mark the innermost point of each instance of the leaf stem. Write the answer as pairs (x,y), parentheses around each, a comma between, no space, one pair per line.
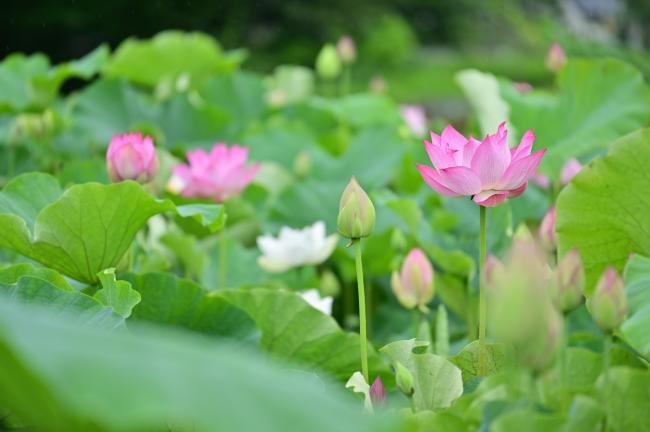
(482,299)
(222,259)
(362,312)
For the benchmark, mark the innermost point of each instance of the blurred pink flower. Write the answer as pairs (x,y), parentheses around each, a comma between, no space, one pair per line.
(415,118)
(556,57)
(131,157)
(489,171)
(522,87)
(220,174)
(413,285)
(347,49)
(540,180)
(547,235)
(569,170)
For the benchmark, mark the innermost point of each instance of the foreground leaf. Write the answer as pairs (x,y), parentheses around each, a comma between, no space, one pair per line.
(637,287)
(603,212)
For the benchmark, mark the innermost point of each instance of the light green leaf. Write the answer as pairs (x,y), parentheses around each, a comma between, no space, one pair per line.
(625,396)
(182,303)
(11,274)
(499,357)
(168,55)
(603,213)
(58,376)
(118,295)
(598,101)
(637,287)
(358,384)
(210,216)
(295,331)
(585,414)
(437,381)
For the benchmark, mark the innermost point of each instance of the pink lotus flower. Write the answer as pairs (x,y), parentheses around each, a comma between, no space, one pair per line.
(556,57)
(131,157)
(219,175)
(489,171)
(540,180)
(415,118)
(569,170)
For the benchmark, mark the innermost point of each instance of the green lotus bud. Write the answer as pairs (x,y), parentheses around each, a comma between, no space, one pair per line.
(356,212)
(566,289)
(404,379)
(609,303)
(302,164)
(541,349)
(329,284)
(328,62)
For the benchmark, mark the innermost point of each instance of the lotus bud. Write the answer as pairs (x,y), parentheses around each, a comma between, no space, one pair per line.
(494,268)
(328,63)
(547,234)
(542,347)
(555,58)
(609,303)
(378,393)
(569,282)
(569,170)
(413,285)
(356,212)
(347,49)
(302,164)
(329,284)
(131,157)
(378,85)
(522,87)
(398,240)
(404,379)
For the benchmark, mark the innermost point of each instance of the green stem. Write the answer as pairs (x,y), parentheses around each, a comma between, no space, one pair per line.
(563,367)
(606,348)
(362,313)
(222,259)
(345,81)
(482,300)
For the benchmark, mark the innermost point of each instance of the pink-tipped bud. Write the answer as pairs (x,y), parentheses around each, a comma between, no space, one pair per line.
(522,87)
(347,49)
(569,282)
(415,118)
(569,170)
(547,234)
(609,302)
(494,268)
(413,285)
(378,393)
(555,58)
(131,157)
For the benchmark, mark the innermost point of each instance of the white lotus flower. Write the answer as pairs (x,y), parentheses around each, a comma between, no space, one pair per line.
(295,248)
(323,304)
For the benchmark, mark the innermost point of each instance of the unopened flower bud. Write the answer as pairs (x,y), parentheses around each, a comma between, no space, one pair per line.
(329,284)
(377,393)
(566,289)
(569,170)
(413,285)
(609,303)
(302,164)
(347,49)
(555,58)
(356,212)
(404,379)
(328,63)
(131,157)
(547,234)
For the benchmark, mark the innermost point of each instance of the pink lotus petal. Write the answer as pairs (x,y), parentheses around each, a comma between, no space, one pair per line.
(461,180)
(569,170)
(490,198)
(516,192)
(432,178)
(452,138)
(491,160)
(439,158)
(524,147)
(520,171)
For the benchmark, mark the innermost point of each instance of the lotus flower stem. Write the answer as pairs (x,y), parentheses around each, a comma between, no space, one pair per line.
(222,259)
(482,300)
(362,312)
(607,345)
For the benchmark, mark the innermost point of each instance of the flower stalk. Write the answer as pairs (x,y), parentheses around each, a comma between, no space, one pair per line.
(482,300)
(362,311)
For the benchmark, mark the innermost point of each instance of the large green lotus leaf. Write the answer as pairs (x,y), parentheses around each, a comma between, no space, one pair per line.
(30,81)
(168,55)
(603,211)
(637,286)
(295,331)
(37,289)
(436,381)
(85,229)
(169,300)
(625,397)
(58,376)
(598,101)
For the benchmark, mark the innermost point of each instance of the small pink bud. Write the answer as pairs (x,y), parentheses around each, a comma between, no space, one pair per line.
(347,49)
(609,302)
(547,235)
(569,170)
(522,87)
(415,118)
(569,282)
(378,393)
(540,180)
(131,157)
(378,84)
(555,58)
(413,285)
